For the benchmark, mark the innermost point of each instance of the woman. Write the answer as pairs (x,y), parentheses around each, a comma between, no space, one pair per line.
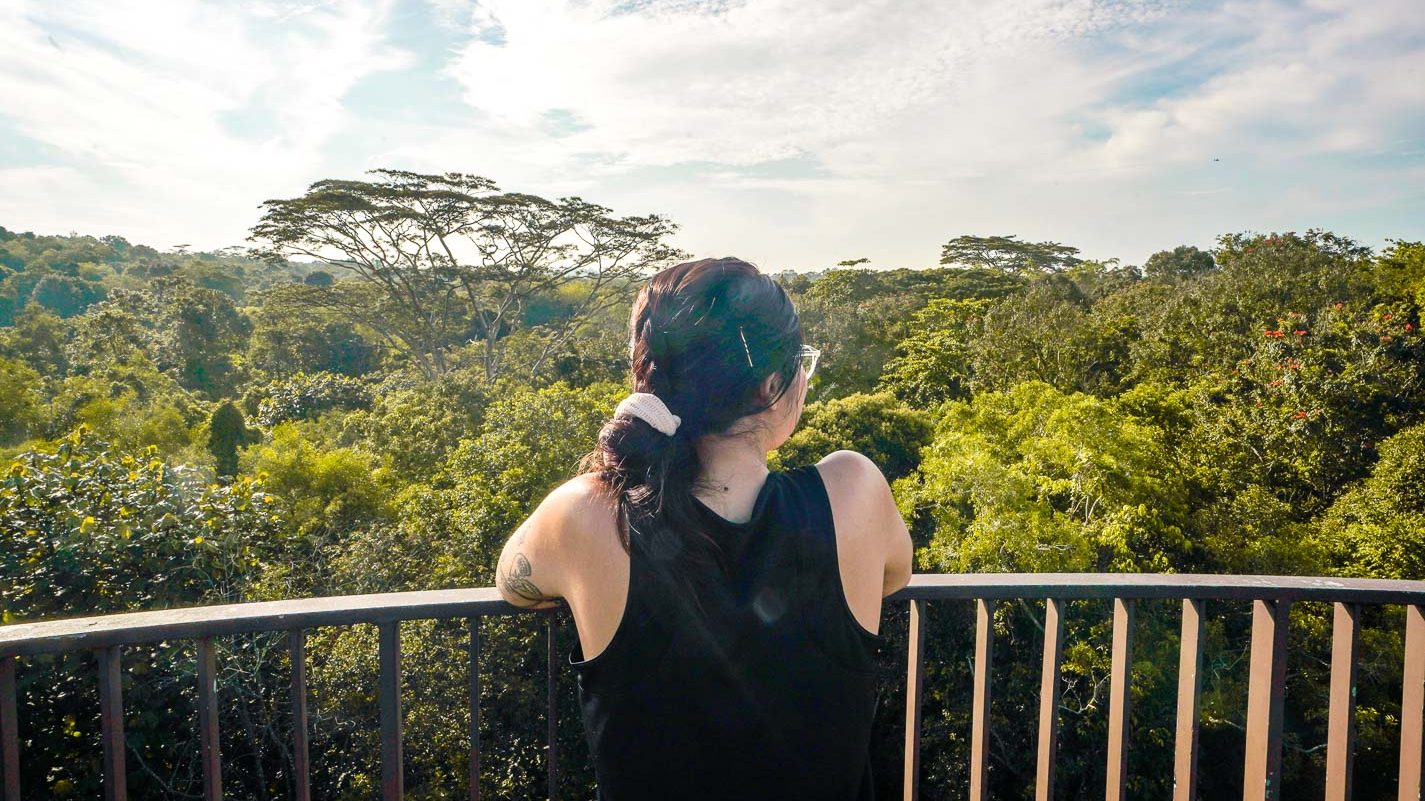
(727,615)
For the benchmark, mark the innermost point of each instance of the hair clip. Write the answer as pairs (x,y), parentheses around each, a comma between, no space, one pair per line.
(744,346)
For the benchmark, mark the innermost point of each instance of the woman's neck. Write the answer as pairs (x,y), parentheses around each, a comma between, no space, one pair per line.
(731,467)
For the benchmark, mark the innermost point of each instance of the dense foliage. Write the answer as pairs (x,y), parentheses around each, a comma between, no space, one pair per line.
(184,428)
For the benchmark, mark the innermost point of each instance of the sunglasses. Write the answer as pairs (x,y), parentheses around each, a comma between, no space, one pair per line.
(809,356)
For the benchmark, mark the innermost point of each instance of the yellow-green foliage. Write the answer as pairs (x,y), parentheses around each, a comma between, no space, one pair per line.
(88,528)
(1376,528)
(1036,480)
(328,491)
(19,400)
(887,431)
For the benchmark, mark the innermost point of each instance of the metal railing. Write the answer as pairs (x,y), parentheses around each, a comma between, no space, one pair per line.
(1271,597)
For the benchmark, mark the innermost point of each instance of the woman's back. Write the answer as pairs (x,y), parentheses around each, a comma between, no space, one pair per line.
(768,691)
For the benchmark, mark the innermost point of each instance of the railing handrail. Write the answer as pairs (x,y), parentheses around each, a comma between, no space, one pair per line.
(195,622)
(1271,598)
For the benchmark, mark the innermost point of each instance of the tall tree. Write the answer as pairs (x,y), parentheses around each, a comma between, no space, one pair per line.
(227,432)
(1180,263)
(456,260)
(1008,254)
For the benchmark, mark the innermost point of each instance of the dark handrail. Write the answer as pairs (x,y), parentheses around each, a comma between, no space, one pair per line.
(1271,597)
(133,628)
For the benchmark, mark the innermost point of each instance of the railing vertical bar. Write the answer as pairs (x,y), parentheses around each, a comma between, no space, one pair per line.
(392,764)
(1189,702)
(111,723)
(1049,698)
(301,770)
(208,721)
(980,721)
(1266,692)
(1341,725)
(1412,705)
(915,656)
(474,624)
(9,730)
(1120,679)
(553,715)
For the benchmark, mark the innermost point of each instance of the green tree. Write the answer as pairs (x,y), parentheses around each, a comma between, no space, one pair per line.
(327,492)
(888,432)
(414,423)
(401,233)
(1181,263)
(38,337)
(1400,272)
(1033,479)
(935,362)
(190,332)
(1376,528)
(1214,320)
(19,401)
(1008,254)
(133,405)
(288,339)
(66,295)
(1051,333)
(226,433)
(1298,417)
(307,395)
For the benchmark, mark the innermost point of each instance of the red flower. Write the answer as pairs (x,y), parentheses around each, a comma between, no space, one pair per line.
(1338,305)
(1299,415)
(1409,327)
(1275,383)
(1386,317)
(1299,332)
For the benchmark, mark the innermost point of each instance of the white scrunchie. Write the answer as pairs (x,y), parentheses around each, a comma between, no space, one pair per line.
(651,409)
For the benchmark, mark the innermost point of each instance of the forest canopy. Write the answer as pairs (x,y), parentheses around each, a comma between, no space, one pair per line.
(182,428)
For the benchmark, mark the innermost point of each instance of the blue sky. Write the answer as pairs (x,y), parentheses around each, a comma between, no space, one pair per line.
(791,134)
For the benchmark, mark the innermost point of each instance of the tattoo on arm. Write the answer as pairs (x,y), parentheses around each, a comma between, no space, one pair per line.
(516,580)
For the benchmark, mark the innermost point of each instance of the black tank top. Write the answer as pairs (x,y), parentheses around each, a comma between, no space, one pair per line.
(767,693)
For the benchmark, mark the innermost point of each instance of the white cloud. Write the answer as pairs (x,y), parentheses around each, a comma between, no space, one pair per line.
(932,119)
(845,81)
(902,122)
(1328,78)
(134,95)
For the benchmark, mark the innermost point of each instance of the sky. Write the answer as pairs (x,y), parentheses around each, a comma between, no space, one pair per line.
(790,134)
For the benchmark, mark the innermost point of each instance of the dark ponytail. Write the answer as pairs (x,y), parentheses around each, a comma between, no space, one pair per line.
(687,335)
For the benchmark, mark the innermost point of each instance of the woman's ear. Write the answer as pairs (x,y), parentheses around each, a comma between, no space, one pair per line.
(769,387)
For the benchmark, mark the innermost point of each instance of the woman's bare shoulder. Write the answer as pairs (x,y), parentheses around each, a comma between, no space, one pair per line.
(588,501)
(848,469)
(860,497)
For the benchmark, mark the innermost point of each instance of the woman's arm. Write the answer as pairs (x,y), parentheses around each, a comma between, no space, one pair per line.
(531,570)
